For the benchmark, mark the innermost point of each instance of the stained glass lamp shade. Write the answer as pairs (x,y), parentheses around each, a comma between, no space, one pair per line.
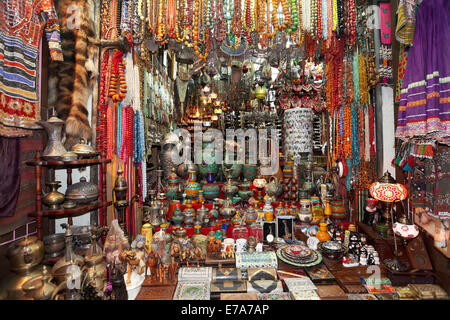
(388,192)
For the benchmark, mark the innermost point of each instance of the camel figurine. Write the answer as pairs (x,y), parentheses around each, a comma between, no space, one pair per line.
(186,254)
(161,272)
(230,252)
(197,254)
(175,250)
(153,262)
(217,248)
(132,260)
(172,269)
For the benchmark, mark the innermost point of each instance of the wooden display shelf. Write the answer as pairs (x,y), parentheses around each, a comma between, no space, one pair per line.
(60,163)
(102,204)
(77,210)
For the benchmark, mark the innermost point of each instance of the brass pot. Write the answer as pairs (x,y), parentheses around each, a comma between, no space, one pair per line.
(54,243)
(25,254)
(53,199)
(11,287)
(95,270)
(39,287)
(83,150)
(82,192)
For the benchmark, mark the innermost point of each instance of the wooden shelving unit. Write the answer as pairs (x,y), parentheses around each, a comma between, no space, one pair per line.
(101,204)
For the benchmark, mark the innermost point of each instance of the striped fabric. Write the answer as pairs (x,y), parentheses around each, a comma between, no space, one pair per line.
(424,110)
(20,36)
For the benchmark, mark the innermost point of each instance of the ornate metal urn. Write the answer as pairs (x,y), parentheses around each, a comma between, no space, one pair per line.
(54,148)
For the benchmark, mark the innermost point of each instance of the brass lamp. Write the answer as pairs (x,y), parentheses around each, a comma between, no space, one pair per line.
(387,191)
(120,192)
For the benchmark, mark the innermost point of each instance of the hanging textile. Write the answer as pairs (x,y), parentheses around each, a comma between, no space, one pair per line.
(21,28)
(406,21)
(425,97)
(403,59)
(9,175)
(386,44)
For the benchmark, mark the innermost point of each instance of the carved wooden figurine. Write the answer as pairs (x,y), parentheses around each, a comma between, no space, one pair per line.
(129,256)
(153,262)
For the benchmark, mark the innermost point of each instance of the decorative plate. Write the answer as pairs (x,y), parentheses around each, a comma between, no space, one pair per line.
(192,290)
(313,242)
(316,261)
(298,250)
(312,231)
(307,260)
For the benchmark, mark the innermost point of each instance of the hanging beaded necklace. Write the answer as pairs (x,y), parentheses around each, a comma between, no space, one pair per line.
(306,7)
(319,18)
(347,132)
(313,18)
(125,19)
(210,22)
(361,132)
(355,136)
(293,28)
(340,19)
(355,71)
(300,22)
(352,21)
(115,84)
(198,22)
(236,23)
(161,34)
(171,19)
(329,22)
(335,15)
(324,10)
(220,26)
(101,140)
(248,21)
(363,87)
(286,14)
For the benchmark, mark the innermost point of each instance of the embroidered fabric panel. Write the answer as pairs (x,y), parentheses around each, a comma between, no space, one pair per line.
(21,29)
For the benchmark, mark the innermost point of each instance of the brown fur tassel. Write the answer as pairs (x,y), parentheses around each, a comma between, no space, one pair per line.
(71,81)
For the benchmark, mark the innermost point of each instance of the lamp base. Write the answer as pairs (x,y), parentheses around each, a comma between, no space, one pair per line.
(396,265)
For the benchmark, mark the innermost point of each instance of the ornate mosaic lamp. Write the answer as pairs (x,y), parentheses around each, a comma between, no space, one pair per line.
(388,191)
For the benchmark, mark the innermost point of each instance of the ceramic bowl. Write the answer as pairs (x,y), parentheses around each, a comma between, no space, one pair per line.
(332,249)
